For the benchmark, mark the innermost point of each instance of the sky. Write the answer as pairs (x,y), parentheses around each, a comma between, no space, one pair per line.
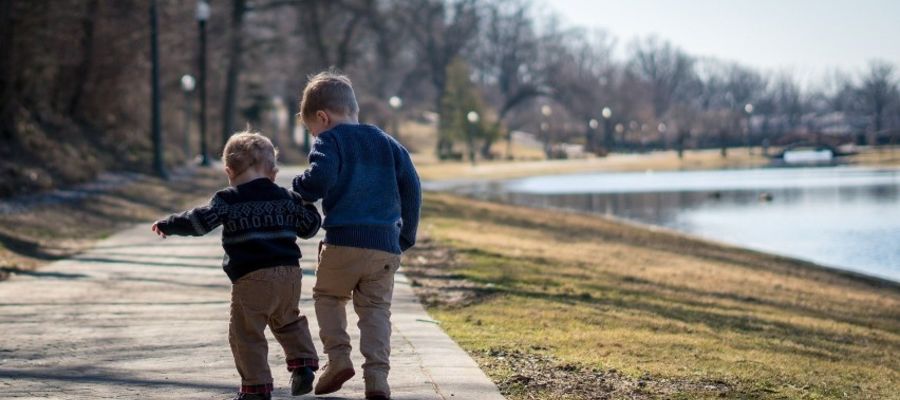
(807,37)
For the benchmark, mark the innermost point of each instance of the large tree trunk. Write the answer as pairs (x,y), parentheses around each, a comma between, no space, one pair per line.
(235,50)
(83,70)
(489,142)
(723,143)
(7,72)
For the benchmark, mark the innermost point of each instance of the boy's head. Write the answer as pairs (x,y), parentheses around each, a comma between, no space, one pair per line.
(249,152)
(328,100)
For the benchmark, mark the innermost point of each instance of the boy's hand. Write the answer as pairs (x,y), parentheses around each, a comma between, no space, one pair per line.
(155,229)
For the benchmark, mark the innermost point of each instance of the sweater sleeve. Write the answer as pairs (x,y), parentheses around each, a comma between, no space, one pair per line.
(410,200)
(307,216)
(195,222)
(324,161)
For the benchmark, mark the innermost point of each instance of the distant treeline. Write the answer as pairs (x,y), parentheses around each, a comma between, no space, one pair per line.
(74,93)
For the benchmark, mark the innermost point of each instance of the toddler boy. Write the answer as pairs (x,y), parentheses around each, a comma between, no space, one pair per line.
(370,197)
(261,222)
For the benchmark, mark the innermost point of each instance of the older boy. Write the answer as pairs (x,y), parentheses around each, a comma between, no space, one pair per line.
(370,197)
(261,223)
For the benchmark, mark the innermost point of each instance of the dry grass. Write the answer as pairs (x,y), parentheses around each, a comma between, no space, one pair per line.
(50,232)
(882,156)
(663,160)
(592,295)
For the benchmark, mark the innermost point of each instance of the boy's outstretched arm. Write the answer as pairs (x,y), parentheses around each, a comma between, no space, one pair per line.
(307,216)
(195,222)
(324,161)
(410,201)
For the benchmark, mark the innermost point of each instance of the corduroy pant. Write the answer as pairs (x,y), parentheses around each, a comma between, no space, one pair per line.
(268,297)
(367,277)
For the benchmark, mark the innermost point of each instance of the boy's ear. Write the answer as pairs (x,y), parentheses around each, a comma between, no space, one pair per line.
(323,117)
(229,172)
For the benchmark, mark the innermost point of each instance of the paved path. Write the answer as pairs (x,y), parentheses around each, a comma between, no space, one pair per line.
(140,317)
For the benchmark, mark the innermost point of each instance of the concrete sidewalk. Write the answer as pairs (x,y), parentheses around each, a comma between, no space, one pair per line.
(141,317)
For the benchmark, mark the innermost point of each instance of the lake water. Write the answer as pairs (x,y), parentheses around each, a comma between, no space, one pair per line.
(842,217)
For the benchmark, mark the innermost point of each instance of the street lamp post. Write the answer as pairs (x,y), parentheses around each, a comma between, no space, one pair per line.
(473,118)
(155,118)
(202,15)
(187,86)
(620,130)
(593,124)
(279,118)
(395,103)
(546,111)
(607,129)
(748,108)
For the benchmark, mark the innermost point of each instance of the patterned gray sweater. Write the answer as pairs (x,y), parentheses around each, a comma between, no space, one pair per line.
(261,222)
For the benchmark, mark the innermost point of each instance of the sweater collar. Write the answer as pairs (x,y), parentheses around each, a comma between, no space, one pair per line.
(258,182)
(349,126)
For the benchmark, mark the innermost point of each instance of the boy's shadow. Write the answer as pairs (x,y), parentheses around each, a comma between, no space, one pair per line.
(285,394)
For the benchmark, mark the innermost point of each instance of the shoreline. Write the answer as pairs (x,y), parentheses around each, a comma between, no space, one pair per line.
(657,161)
(458,187)
(846,273)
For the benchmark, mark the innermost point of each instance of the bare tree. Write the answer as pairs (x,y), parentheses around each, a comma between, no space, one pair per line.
(789,102)
(507,59)
(8,75)
(582,77)
(391,49)
(440,30)
(666,68)
(877,90)
(232,80)
(331,29)
(87,49)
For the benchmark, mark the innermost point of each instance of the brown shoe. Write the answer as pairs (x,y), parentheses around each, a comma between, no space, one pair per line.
(337,371)
(377,387)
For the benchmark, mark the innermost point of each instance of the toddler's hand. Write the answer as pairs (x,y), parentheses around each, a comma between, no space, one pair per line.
(155,229)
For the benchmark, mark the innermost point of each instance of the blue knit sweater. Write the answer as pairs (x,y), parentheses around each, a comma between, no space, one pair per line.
(368,185)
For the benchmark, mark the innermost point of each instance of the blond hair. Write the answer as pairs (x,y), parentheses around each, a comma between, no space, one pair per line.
(247,149)
(328,91)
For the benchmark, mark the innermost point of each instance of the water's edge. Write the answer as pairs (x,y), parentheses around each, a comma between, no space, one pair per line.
(472,189)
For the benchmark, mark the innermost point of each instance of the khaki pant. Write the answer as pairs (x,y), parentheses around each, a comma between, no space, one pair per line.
(367,277)
(269,296)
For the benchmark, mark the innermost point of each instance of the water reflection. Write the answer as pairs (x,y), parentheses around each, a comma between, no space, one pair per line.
(842,217)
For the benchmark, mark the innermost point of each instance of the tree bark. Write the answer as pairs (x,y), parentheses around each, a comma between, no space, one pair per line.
(235,50)
(82,71)
(8,75)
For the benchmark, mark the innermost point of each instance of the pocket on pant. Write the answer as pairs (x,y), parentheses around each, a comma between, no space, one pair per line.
(392,264)
(382,268)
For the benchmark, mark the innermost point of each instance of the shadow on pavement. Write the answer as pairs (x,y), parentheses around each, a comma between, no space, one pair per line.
(40,274)
(28,248)
(143,263)
(122,303)
(87,374)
